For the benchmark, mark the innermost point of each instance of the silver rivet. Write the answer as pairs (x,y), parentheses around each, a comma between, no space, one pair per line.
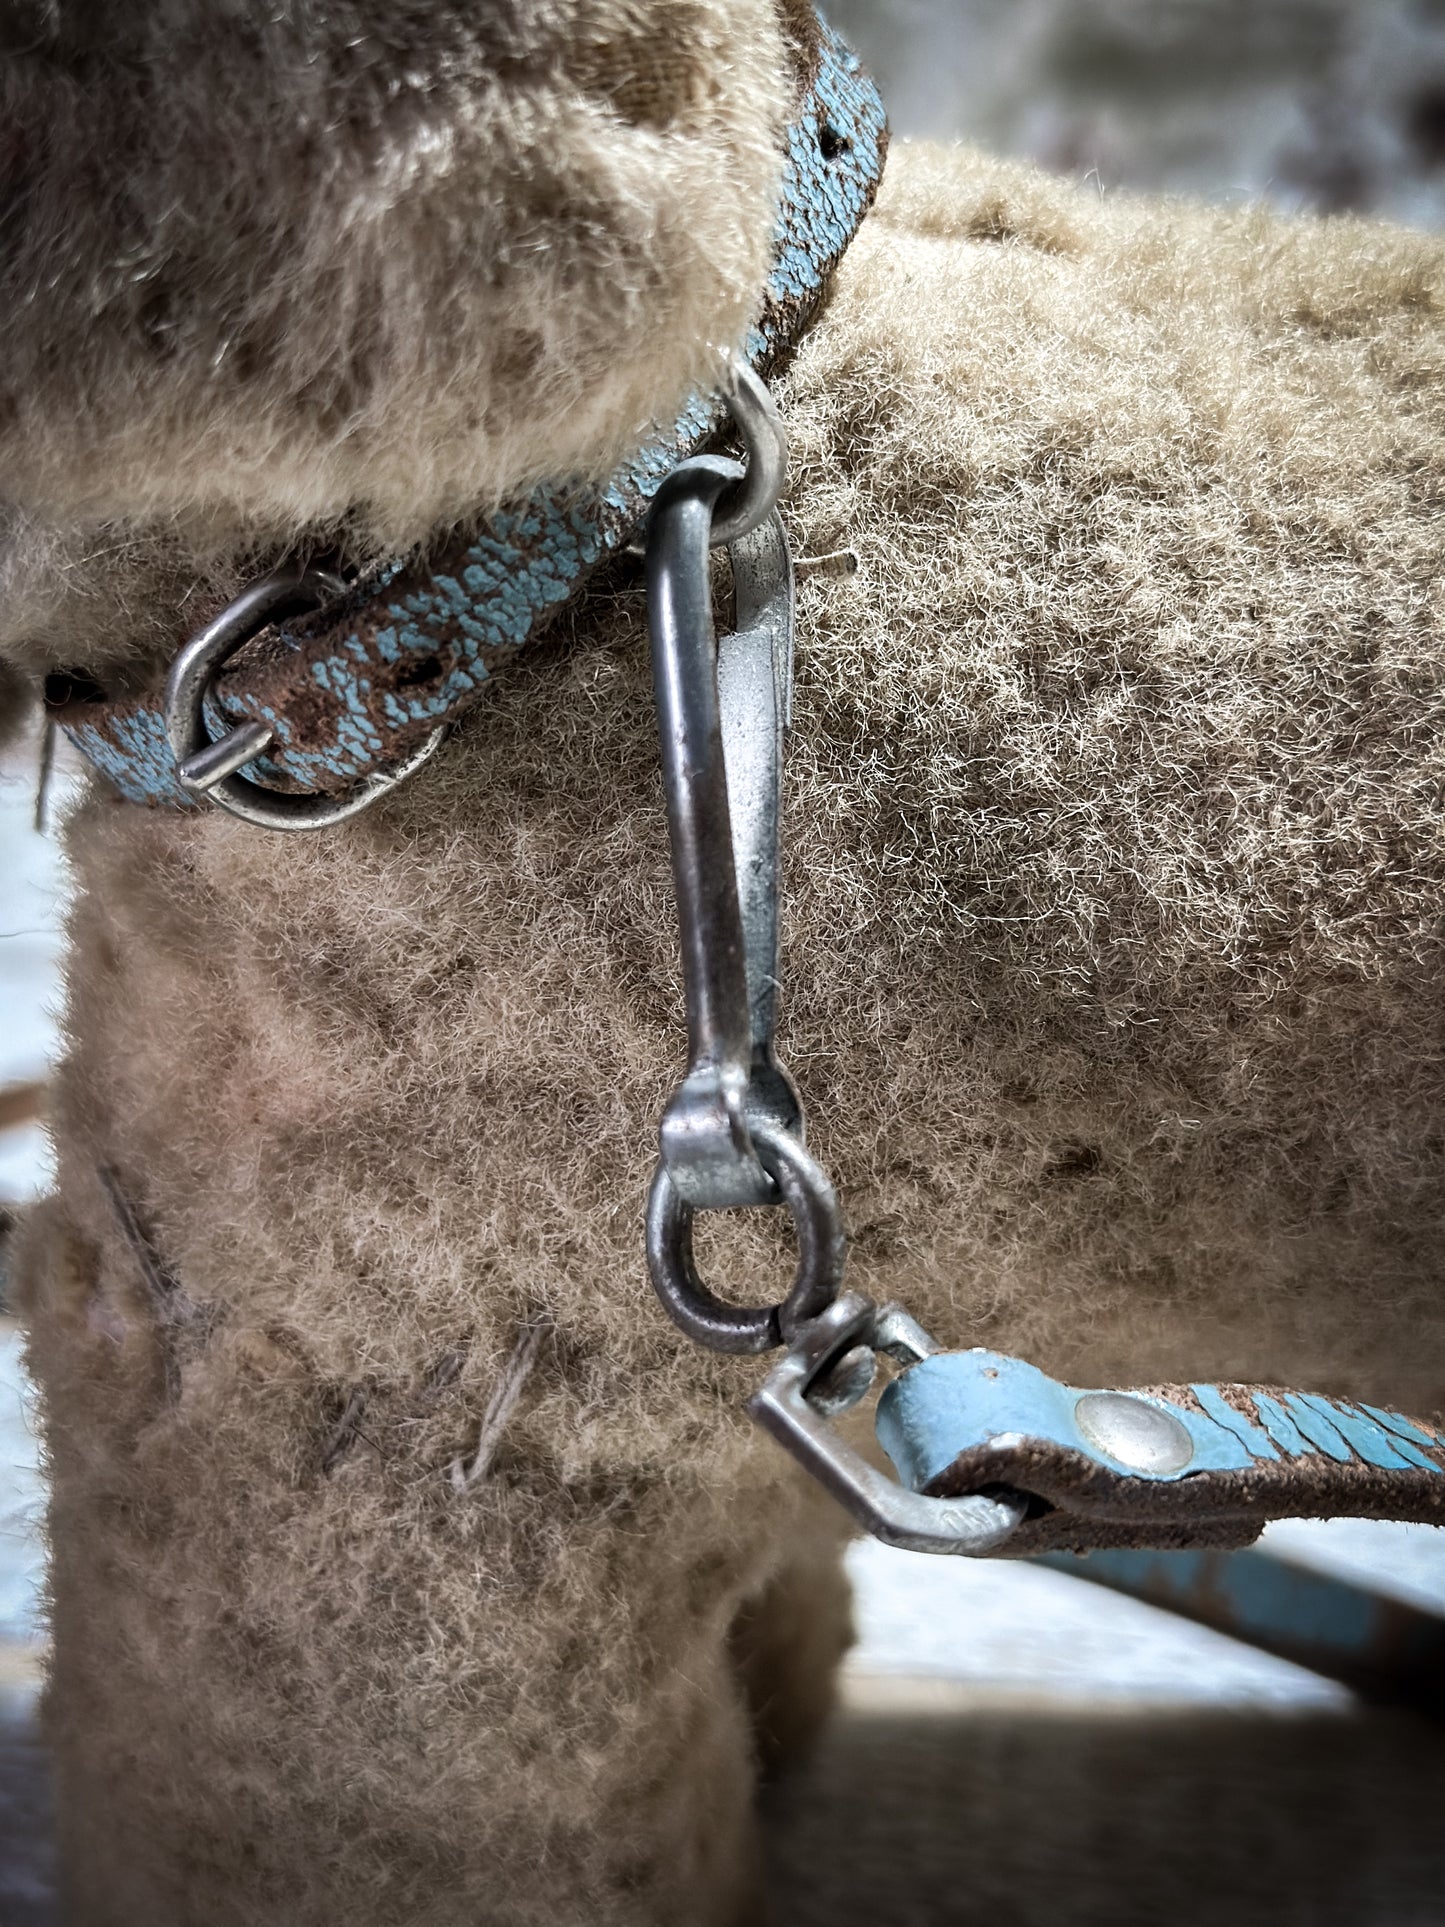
(1142,1436)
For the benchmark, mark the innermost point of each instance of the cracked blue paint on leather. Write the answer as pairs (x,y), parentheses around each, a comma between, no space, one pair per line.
(1001,1410)
(409,649)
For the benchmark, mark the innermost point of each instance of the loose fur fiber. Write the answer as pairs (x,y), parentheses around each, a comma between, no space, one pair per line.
(1112,964)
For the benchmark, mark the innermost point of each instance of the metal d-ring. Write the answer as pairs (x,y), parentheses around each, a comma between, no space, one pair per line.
(822,1250)
(209,767)
(749,504)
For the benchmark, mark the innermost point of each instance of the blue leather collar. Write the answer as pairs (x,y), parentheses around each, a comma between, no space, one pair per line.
(355,691)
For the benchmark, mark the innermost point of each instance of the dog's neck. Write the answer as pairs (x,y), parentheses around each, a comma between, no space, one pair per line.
(409,648)
(374,301)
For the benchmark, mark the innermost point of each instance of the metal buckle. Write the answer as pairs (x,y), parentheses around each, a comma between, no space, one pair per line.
(209,767)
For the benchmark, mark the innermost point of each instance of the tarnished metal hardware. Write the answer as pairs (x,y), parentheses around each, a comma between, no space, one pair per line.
(754,488)
(822,1251)
(722,713)
(827,1371)
(749,502)
(732,1131)
(210,767)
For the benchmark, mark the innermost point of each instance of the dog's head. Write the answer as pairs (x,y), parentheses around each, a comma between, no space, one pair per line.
(362,268)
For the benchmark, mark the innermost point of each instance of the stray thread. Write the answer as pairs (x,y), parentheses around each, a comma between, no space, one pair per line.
(346,1430)
(506,1392)
(173,1306)
(174,1310)
(836,562)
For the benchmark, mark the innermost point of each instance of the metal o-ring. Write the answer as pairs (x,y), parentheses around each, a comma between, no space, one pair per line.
(288,591)
(755,490)
(766,440)
(822,1249)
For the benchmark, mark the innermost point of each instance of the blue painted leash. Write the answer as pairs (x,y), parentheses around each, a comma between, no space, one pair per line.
(343,697)
(1226,1457)
(996,1456)
(1386,1649)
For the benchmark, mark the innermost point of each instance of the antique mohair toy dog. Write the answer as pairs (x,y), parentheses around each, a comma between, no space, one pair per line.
(1113,884)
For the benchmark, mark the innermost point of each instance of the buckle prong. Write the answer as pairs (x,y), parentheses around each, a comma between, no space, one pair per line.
(226,755)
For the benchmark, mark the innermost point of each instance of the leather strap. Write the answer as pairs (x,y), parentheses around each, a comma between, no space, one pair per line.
(1385,1648)
(1171,1466)
(357,689)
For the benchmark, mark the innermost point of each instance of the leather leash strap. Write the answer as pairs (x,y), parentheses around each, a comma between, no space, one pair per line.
(1177,1466)
(354,690)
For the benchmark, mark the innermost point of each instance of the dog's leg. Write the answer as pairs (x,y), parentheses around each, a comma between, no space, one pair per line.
(301,1676)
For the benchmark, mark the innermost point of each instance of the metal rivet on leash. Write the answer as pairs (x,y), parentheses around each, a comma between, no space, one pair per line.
(210,767)
(1142,1436)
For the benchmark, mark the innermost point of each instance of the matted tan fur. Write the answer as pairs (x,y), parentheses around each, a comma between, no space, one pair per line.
(1112,961)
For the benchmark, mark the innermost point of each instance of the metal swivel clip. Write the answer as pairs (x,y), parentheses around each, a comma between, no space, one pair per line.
(732,1132)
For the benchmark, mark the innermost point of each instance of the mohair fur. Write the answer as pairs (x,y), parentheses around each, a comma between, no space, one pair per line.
(1112,964)
(365,267)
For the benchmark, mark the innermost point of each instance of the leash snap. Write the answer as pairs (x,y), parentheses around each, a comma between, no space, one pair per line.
(829,1369)
(732,1132)
(722,713)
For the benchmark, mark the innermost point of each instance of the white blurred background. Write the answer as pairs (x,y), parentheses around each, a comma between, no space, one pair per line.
(1328,105)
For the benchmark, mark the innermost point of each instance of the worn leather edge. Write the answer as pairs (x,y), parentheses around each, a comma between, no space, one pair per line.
(1082,1504)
